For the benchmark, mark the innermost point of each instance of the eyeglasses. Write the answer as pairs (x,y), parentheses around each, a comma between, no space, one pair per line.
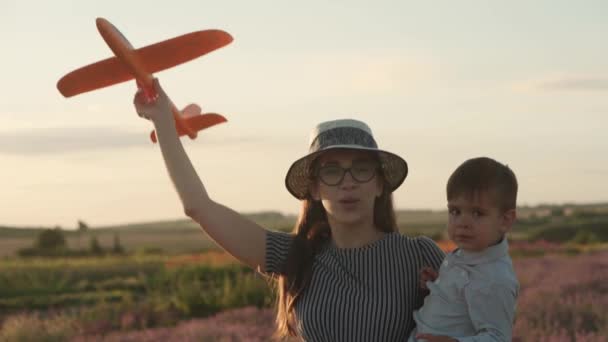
(360,171)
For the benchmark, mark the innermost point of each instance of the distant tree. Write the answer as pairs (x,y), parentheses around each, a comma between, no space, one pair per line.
(82,226)
(585,237)
(557,212)
(117,247)
(95,247)
(50,239)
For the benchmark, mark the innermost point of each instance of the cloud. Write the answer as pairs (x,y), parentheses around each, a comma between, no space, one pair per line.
(575,83)
(68,139)
(45,141)
(296,77)
(596,172)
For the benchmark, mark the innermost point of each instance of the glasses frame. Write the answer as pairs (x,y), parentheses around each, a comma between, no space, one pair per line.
(375,170)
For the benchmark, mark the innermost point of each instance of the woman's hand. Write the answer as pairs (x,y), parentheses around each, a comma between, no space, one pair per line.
(426,274)
(153,109)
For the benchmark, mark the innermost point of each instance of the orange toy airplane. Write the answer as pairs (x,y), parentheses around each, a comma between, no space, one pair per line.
(139,64)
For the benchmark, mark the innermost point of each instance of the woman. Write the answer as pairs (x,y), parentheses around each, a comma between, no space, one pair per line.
(345,274)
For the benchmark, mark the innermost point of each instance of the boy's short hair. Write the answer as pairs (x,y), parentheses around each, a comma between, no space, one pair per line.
(482,174)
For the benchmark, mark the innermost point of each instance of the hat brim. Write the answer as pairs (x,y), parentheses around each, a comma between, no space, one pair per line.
(298,176)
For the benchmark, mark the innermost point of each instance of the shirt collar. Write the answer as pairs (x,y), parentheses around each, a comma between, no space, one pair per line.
(491,253)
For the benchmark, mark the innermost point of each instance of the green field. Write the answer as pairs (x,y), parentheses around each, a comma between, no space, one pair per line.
(184,236)
(173,237)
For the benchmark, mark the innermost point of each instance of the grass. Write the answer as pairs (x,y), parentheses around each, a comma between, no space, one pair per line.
(562,298)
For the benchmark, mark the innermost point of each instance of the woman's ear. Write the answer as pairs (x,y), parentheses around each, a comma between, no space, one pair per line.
(313,188)
(379,187)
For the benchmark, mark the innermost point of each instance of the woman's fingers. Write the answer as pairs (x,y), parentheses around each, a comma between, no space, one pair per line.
(426,274)
(139,102)
(150,108)
(429,272)
(159,90)
(139,97)
(426,271)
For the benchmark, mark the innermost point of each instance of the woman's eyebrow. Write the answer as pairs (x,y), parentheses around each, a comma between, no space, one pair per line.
(330,162)
(363,160)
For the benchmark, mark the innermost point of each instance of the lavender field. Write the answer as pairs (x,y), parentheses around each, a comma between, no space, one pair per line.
(140,292)
(563,298)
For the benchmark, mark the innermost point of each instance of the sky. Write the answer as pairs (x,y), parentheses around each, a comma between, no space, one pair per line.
(438,82)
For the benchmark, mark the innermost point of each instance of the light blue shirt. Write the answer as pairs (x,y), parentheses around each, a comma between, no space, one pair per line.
(473,299)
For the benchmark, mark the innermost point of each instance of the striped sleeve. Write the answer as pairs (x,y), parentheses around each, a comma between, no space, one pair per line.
(431,253)
(277,248)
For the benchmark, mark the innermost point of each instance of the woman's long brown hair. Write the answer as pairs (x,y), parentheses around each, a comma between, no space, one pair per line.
(311,233)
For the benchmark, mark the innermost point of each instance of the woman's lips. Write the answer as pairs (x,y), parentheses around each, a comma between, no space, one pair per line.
(349,203)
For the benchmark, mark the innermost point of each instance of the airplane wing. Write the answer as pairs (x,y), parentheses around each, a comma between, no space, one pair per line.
(155,57)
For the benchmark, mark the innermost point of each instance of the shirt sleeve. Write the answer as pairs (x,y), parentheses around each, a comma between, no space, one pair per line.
(277,249)
(491,309)
(432,255)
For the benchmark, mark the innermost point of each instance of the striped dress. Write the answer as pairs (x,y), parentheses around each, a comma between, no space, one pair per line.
(359,294)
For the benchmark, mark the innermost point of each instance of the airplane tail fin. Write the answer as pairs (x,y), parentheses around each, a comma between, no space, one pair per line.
(191,110)
(196,122)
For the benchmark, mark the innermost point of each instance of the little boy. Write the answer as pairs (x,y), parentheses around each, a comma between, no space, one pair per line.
(474,295)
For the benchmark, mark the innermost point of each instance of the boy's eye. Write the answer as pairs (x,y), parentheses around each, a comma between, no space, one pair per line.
(454,212)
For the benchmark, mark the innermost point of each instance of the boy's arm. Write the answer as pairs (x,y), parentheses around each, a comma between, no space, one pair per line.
(491,309)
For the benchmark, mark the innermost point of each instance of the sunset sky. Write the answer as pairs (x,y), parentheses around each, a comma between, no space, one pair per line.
(437,81)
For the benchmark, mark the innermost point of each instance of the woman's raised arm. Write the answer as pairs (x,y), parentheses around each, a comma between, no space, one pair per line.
(239,236)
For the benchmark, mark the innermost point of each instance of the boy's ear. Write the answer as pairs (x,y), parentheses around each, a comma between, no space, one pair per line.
(508,218)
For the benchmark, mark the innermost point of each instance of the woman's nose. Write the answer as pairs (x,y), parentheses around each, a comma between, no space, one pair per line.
(348,180)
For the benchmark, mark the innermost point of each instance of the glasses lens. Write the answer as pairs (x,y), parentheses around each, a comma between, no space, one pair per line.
(363,171)
(331,175)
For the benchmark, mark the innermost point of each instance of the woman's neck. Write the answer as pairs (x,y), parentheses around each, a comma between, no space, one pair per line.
(354,235)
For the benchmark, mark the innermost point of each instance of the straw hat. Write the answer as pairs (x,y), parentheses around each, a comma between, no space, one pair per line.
(342,134)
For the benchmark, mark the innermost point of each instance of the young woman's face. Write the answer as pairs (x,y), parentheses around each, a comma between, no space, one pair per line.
(347,182)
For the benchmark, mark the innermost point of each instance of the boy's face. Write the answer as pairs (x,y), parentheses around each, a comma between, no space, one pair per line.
(476,222)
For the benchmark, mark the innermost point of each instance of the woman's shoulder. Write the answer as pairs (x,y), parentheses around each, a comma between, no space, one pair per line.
(278,241)
(420,244)
(417,241)
(426,242)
